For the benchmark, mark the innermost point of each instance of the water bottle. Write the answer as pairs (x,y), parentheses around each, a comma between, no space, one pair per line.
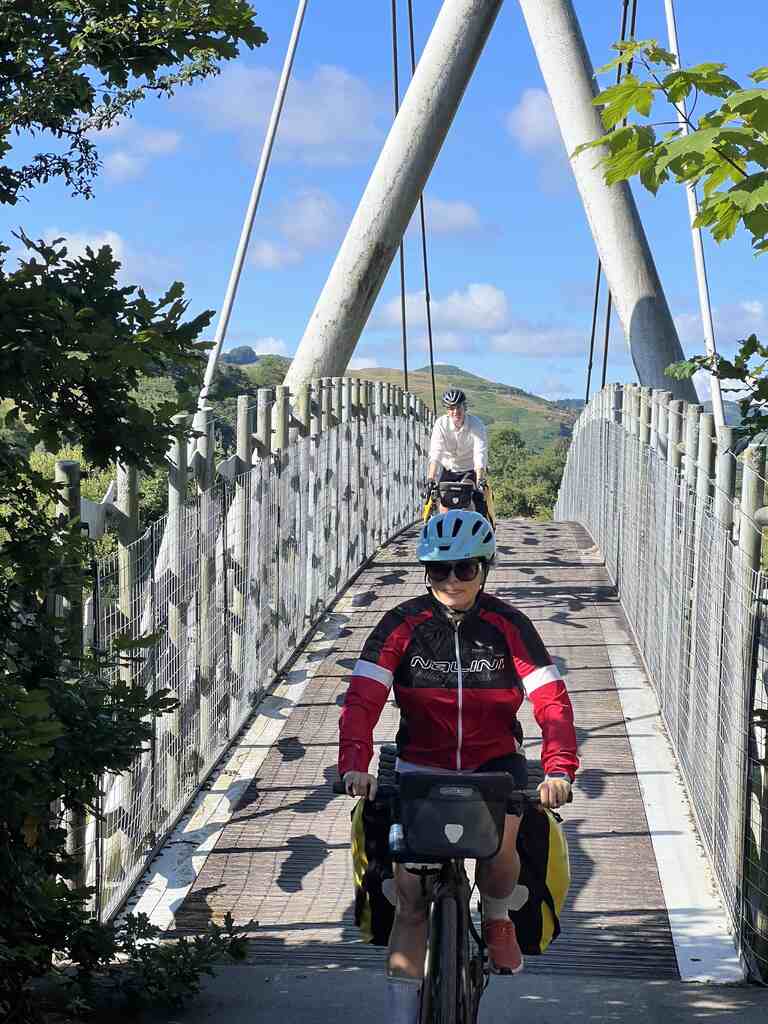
(396,838)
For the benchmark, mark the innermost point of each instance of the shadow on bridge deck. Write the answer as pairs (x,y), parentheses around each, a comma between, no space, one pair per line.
(283,858)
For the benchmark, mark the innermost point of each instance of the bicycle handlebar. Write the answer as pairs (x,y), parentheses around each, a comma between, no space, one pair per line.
(386,792)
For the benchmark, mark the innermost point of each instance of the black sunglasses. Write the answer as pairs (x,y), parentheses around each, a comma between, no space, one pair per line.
(464,571)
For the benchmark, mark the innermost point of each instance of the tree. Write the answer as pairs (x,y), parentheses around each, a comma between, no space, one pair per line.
(74,67)
(504,450)
(725,151)
(74,348)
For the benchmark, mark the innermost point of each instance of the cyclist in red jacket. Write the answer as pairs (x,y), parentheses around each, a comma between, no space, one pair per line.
(460,662)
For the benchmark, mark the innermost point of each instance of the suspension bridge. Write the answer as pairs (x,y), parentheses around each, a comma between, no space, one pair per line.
(263,580)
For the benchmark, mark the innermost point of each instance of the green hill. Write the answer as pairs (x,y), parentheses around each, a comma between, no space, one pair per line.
(538,421)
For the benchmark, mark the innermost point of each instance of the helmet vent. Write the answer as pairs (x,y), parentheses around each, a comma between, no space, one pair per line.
(457,524)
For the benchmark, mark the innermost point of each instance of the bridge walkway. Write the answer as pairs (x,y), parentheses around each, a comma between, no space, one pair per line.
(282,860)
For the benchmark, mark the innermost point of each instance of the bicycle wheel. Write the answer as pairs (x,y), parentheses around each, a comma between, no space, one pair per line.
(440,995)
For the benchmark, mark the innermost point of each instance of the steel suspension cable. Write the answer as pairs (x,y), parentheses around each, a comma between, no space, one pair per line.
(425,261)
(258,185)
(609,301)
(598,274)
(705,305)
(396,85)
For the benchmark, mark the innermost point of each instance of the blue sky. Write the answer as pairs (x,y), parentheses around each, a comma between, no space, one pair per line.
(512,261)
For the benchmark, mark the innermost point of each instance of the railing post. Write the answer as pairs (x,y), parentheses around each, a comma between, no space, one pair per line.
(316,423)
(301,410)
(241,525)
(662,423)
(336,399)
(127,532)
(725,478)
(283,506)
(177,603)
(327,405)
(705,459)
(263,433)
(750,534)
(617,403)
(645,415)
(207,601)
(676,420)
(281,418)
(692,414)
(67,476)
(755,856)
(346,399)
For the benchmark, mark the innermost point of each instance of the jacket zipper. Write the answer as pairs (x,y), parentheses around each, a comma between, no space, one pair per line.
(460,731)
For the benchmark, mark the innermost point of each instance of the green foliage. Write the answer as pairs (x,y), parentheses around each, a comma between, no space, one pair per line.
(70,332)
(746,374)
(75,349)
(142,972)
(70,69)
(725,150)
(268,372)
(525,483)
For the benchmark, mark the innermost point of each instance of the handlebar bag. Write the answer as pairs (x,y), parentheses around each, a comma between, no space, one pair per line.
(457,495)
(446,817)
(545,875)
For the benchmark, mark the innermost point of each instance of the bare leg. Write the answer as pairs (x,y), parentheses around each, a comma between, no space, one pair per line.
(498,877)
(408,939)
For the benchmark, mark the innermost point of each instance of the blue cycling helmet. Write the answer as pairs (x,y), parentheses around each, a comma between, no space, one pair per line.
(455,535)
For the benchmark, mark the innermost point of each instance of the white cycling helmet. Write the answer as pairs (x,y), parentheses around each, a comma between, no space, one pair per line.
(455,535)
(453,397)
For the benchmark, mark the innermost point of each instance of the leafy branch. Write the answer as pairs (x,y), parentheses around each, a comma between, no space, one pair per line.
(726,150)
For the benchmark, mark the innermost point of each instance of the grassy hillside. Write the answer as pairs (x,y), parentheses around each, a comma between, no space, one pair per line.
(538,421)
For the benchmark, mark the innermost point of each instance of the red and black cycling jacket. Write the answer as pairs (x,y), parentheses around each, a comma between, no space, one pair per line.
(458,687)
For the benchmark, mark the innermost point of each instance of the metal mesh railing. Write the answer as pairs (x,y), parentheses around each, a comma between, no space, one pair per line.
(231,583)
(684,556)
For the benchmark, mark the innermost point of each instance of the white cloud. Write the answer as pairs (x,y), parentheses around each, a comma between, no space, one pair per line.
(362,363)
(451,217)
(311,220)
(78,241)
(273,255)
(537,341)
(137,147)
(144,268)
(123,166)
(329,117)
(532,123)
(732,322)
(159,143)
(480,307)
(269,346)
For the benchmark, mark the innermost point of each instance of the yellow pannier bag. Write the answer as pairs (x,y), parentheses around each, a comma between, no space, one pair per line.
(372,871)
(545,875)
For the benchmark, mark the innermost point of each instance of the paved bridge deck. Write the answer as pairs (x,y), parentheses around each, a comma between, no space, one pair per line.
(283,860)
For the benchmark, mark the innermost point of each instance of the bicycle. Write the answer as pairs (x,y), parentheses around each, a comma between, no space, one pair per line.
(438,821)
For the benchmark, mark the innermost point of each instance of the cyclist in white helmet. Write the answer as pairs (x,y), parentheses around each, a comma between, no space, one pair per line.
(458,447)
(458,712)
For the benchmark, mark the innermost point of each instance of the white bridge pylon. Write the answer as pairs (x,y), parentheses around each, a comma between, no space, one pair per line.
(410,150)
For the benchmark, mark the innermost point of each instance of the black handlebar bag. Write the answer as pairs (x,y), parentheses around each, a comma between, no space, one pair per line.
(445,817)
